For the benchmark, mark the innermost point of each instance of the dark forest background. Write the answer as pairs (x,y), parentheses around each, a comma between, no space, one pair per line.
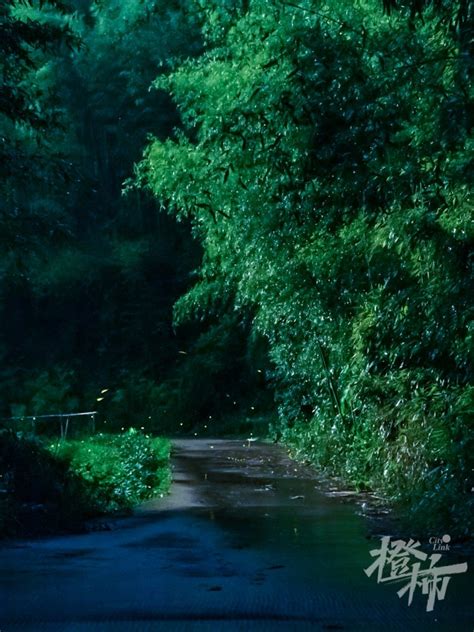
(247,216)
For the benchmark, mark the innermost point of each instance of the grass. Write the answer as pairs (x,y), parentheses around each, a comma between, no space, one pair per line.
(48,487)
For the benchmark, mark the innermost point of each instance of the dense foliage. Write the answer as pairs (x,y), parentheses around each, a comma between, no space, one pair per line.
(325,163)
(121,469)
(50,486)
(87,276)
(30,132)
(303,201)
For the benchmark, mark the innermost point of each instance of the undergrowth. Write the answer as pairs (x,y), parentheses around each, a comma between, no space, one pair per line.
(57,486)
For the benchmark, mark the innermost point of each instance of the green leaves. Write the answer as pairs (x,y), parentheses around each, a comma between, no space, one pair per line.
(76,480)
(122,470)
(320,152)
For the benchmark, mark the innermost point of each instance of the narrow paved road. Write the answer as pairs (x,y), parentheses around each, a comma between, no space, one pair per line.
(245,541)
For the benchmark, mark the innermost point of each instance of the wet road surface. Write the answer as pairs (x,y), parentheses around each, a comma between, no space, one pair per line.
(246,541)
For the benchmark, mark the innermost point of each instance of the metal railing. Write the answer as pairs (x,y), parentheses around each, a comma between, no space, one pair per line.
(63,420)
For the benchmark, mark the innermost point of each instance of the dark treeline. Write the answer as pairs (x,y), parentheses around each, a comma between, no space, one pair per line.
(88,275)
(205,200)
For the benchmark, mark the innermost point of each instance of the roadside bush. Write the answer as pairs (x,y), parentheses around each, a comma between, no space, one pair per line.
(120,470)
(58,486)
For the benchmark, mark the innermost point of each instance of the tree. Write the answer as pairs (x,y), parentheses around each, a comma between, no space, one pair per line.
(30,128)
(324,166)
(90,274)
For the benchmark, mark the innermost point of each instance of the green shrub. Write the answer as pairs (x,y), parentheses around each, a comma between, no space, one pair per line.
(121,470)
(58,486)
